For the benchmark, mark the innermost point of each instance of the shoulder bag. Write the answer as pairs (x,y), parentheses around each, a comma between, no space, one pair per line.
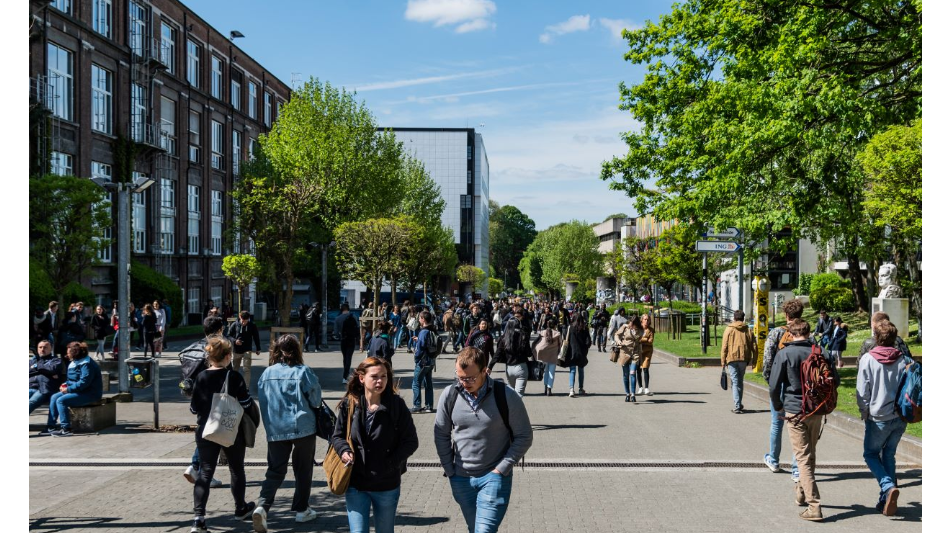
(224,418)
(564,351)
(336,470)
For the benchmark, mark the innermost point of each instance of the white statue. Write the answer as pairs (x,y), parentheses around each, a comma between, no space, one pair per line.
(887,280)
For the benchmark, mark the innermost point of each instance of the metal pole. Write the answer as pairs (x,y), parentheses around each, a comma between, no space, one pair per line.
(122,279)
(740,276)
(155,390)
(704,305)
(324,296)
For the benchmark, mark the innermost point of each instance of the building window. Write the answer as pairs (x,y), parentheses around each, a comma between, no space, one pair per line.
(102,100)
(167,53)
(235,151)
(104,171)
(168,193)
(167,141)
(102,17)
(194,218)
(62,5)
(469,152)
(138,117)
(218,159)
(60,75)
(236,94)
(167,216)
(194,297)
(194,136)
(469,176)
(252,100)
(61,164)
(267,109)
(252,146)
(101,170)
(138,218)
(216,77)
(138,18)
(216,296)
(465,201)
(217,216)
(194,64)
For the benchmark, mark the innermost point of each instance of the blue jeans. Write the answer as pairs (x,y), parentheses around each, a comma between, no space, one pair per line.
(460,339)
(60,404)
(879,451)
(736,371)
(548,379)
(358,509)
(776,428)
(196,461)
(398,337)
(581,376)
(628,376)
(483,500)
(423,376)
(38,398)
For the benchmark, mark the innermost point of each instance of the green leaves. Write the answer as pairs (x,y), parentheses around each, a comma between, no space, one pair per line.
(567,251)
(242,269)
(510,233)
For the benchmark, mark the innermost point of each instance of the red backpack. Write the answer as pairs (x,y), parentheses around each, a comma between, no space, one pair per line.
(819,386)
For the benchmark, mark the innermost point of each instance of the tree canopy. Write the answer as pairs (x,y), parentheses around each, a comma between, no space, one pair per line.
(564,252)
(510,233)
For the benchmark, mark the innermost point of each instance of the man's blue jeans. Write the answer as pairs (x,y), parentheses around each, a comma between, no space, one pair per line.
(483,500)
(385,509)
(460,340)
(776,429)
(398,337)
(879,450)
(581,376)
(60,404)
(736,371)
(38,398)
(423,377)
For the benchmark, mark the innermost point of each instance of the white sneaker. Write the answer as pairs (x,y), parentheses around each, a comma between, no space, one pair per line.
(571,393)
(343,382)
(639,392)
(648,392)
(259,519)
(214,483)
(191,474)
(305,516)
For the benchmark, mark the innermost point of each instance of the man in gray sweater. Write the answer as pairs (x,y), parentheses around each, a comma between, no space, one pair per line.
(482,429)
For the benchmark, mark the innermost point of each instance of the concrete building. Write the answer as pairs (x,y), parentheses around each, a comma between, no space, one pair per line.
(194,103)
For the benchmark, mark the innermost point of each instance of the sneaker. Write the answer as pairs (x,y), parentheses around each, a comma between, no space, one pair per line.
(891,502)
(640,391)
(245,511)
(214,483)
(259,519)
(428,410)
(627,398)
(814,515)
(305,516)
(191,474)
(648,392)
(198,526)
(736,410)
(343,382)
(571,393)
(795,477)
(47,432)
(801,497)
(581,391)
(774,467)
(416,410)
(65,432)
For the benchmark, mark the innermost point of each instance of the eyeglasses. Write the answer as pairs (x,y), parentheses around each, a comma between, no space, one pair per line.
(467,381)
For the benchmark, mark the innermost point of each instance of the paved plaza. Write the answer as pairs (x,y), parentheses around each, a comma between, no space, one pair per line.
(675,461)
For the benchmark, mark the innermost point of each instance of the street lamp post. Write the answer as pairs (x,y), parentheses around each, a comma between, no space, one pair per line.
(323,247)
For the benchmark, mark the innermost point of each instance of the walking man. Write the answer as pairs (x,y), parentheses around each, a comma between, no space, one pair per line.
(877,385)
(424,363)
(737,351)
(482,429)
(347,327)
(777,339)
(245,332)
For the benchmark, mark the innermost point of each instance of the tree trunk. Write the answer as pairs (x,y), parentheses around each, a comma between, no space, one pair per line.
(915,277)
(285,301)
(424,292)
(393,291)
(856,277)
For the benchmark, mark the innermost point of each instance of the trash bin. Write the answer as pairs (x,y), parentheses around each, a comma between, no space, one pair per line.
(140,371)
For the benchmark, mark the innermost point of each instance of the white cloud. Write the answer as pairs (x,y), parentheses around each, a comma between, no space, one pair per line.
(396,84)
(614,26)
(572,25)
(470,15)
(455,96)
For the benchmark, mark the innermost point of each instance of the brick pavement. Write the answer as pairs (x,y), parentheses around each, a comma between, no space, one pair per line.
(687,420)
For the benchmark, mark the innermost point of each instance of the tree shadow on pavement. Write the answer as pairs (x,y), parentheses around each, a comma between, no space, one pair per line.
(913,477)
(679,393)
(907,512)
(67,523)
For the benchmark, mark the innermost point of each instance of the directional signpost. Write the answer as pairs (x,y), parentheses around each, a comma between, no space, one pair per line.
(727,247)
(717,246)
(729,233)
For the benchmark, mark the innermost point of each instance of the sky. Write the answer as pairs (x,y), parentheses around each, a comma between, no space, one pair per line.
(538,79)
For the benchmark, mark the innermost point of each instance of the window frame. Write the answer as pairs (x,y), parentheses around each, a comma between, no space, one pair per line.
(268,99)
(102,25)
(218,158)
(218,77)
(101,98)
(60,82)
(193,69)
(252,100)
(61,168)
(167,46)
(167,126)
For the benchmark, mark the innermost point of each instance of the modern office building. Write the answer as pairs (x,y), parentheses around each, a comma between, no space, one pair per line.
(456,160)
(194,104)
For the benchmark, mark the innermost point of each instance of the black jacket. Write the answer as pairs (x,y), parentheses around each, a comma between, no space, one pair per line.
(246,334)
(47,373)
(101,326)
(381,450)
(380,347)
(579,343)
(785,376)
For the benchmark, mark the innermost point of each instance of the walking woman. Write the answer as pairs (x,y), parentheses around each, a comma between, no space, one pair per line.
(148,329)
(628,340)
(514,350)
(161,321)
(576,359)
(289,392)
(382,438)
(103,329)
(546,349)
(207,384)
(647,349)
(481,338)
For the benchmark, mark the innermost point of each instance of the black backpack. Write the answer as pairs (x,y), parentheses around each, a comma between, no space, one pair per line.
(499,394)
(193,363)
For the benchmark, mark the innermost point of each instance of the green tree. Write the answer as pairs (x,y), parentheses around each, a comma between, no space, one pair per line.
(510,233)
(616,265)
(495,287)
(615,215)
(566,251)
(752,112)
(67,217)
(241,269)
(470,275)
(430,251)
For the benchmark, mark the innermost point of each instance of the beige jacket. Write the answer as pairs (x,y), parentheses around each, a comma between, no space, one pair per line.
(629,340)
(545,350)
(738,344)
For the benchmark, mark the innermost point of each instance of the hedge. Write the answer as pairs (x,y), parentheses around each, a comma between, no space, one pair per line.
(834,299)
(149,285)
(803,285)
(827,280)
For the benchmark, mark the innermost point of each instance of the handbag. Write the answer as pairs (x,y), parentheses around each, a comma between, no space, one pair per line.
(224,417)
(325,421)
(615,354)
(564,351)
(536,370)
(336,470)
(723,378)
(623,358)
(249,424)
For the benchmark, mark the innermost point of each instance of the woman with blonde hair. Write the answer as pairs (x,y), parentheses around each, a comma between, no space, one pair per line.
(382,438)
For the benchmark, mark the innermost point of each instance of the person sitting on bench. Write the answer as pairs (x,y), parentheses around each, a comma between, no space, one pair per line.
(83,386)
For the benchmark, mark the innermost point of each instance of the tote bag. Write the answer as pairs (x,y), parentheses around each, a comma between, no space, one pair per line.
(564,352)
(224,418)
(336,470)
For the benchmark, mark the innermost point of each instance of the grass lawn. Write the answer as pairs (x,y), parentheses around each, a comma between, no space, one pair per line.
(689,345)
(846,400)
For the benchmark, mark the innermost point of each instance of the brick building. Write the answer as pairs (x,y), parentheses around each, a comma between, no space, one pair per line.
(193,102)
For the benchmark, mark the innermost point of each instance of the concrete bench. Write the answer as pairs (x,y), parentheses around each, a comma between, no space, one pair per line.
(94,417)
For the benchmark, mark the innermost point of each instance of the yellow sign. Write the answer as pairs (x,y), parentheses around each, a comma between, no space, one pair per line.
(761,286)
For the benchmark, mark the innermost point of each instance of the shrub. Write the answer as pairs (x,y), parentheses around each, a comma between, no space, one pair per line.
(828,280)
(149,285)
(833,299)
(42,292)
(803,285)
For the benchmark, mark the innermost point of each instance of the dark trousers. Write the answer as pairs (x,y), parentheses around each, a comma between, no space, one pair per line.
(347,348)
(208,457)
(149,344)
(301,453)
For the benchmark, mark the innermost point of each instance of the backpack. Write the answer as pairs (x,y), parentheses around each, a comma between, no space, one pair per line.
(785,339)
(908,400)
(193,363)
(499,394)
(433,344)
(819,387)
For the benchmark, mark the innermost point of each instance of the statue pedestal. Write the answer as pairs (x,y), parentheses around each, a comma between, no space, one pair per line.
(898,311)
(570,287)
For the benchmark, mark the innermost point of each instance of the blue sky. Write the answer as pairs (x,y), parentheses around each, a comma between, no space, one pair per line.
(539,79)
